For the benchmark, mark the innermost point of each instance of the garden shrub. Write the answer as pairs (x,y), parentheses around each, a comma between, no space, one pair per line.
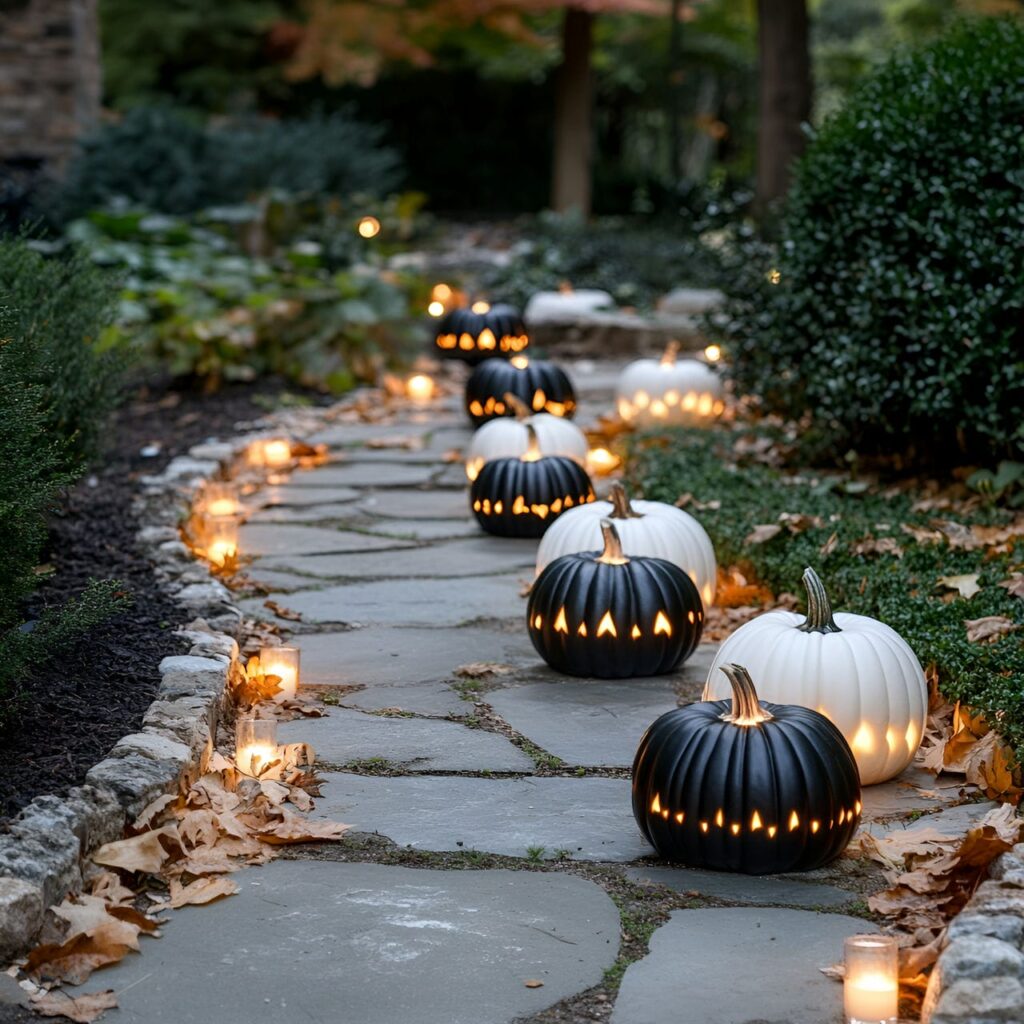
(169,161)
(861,568)
(892,311)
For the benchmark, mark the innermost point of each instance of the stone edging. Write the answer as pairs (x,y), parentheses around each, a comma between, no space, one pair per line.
(979,978)
(43,849)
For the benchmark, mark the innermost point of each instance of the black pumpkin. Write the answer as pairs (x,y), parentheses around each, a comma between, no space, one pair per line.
(598,613)
(522,497)
(480,331)
(745,785)
(540,385)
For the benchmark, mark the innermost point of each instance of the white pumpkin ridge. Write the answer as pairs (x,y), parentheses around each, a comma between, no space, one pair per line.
(647,528)
(668,391)
(857,671)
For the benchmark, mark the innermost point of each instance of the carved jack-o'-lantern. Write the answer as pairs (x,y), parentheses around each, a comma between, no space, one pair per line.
(857,671)
(599,613)
(746,786)
(668,391)
(540,385)
(509,437)
(480,332)
(522,497)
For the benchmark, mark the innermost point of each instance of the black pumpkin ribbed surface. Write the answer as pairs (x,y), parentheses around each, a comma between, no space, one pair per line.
(540,385)
(513,498)
(782,795)
(473,337)
(591,618)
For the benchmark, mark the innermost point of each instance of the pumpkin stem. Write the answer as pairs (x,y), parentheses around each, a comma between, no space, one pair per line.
(518,406)
(746,708)
(668,357)
(612,554)
(819,608)
(532,453)
(621,508)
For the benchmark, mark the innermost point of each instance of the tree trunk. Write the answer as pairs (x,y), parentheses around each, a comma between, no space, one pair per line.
(570,179)
(785,93)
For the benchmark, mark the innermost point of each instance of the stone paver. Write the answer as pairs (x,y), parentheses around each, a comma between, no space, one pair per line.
(389,655)
(274,539)
(303,514)
(413,602)
(370,944)
(425,698)
(474,556)
(914,790)
(365,474)
(589,723)
(754,889)
(413,504)
(420,744)
(341,435)
(590,817)
(285,494)
(952,821)
(425,529)
(738,966)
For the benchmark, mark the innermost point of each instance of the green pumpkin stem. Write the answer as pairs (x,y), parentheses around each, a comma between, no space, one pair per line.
(612,554)
(521,410)
(621,508)
(746,708)
(819,608)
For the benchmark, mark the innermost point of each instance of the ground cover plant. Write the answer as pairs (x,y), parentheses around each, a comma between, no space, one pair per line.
(942,567)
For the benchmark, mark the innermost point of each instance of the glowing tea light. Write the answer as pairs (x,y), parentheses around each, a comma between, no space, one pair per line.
(481,307)
(871,985)
(255,744)
(436,308)
(712,353)
(222,542)
(272,452)
(420,387)
(220,499)
(283,662)
(601,462)
(368,227)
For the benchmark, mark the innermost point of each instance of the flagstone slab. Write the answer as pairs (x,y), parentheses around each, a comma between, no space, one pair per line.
(912,791)
(342,435)
(372,944)
(738,965)
(365,474)
(409,602)
(426,698)
(420,744)
(453,476)
(389,655)
(416,504)
(307,514)
(757,889)
(425,529)
(475,556)
(590,818)
(595,722)
(951,821)
(287,539)
(447,438)
(286,494)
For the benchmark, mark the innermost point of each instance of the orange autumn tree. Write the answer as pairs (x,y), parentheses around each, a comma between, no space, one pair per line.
(352,40)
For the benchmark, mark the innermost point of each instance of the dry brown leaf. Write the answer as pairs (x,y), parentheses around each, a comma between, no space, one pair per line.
(202,890)
(966,585)
(989,628)
(830,545)
(152,811)
(294,829)
(878,546)
(82,1009)
(921,534)
(482,669)
(144,852)
(283,613)
(73,961)
(797,522)
(1014,585)
(533,983)
(763,533)
(957,535)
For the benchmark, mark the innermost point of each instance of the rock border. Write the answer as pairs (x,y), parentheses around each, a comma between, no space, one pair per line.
(43,849)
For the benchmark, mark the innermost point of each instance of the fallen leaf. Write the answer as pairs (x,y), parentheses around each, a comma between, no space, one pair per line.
(966,585)
(989,628)
(73,961)
(837,972)
(921,534)
(761,534)
(1014,585)
(878,546)
(202,890)
(482,669)
(139,853)
(283,613)
(83,1009)
(533,983)
(826,549)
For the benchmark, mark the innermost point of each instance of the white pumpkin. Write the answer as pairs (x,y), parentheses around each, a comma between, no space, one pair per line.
(509,438)
(668,391)
(855,670)
(649,528)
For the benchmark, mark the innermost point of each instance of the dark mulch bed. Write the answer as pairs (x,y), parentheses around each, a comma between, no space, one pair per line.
(80,703)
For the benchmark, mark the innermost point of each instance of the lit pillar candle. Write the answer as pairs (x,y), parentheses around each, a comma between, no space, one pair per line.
(871,982)
(283,662)
(220,499)
(420,387)
(222,538)
(271,452)
(601,462)
(255,744)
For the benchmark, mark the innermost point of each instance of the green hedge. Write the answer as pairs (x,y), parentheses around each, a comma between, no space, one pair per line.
(892,312)
(900,590)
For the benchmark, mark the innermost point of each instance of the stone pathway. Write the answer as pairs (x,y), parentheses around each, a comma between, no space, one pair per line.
(495,871)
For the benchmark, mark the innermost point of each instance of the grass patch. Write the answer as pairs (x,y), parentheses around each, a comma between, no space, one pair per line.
(899,587)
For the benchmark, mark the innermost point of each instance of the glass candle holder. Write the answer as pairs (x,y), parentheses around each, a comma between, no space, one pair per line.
(601,462)
(419,387)
(871,983)
(283,662)
(271,452)
(255,744)
(220,498)
(221,538)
